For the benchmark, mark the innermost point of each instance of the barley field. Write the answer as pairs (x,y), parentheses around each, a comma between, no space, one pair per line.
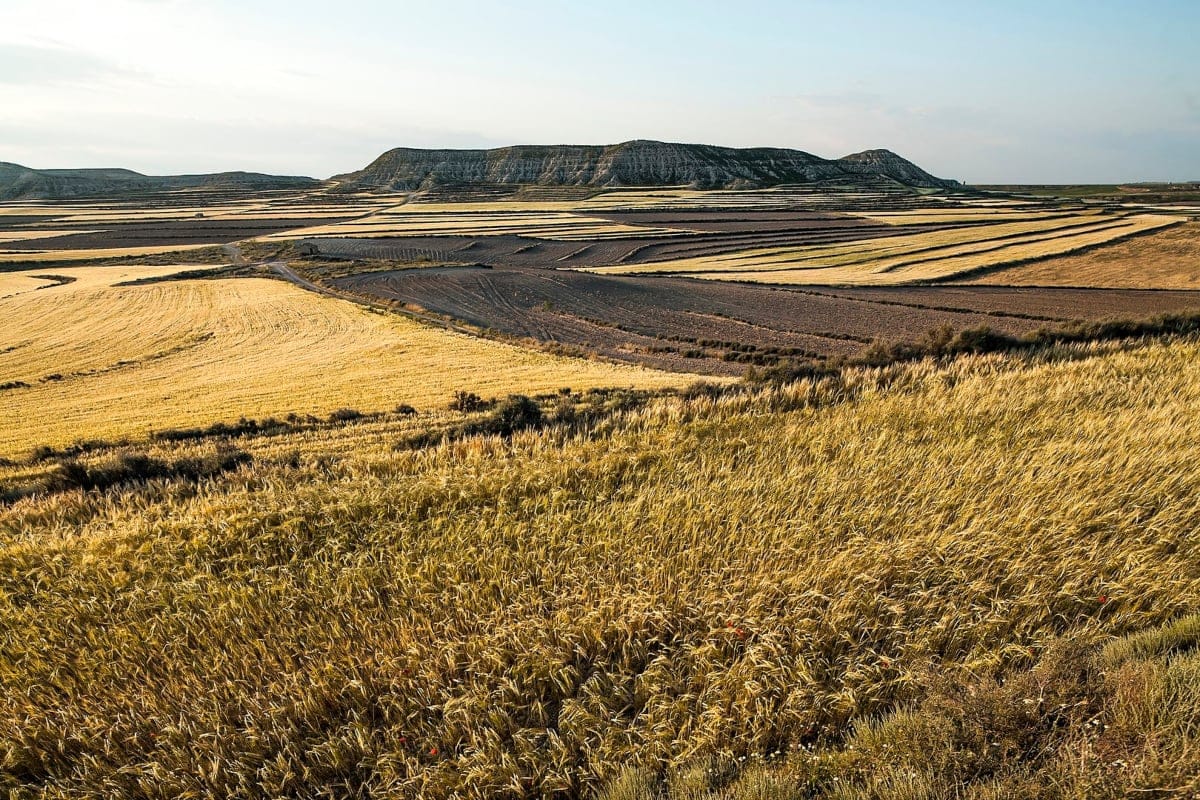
(909,581)
(93,359)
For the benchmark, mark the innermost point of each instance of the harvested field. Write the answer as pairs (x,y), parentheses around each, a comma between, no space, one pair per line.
(1168,259)
(677,323)
(714,233)
(128,234)
(13,283)
(66,231)
(752,231)
(736,221)
(812,236)
(982,215)
(7,237)
(560,226)
(925,256)
(92,360)
(55,256)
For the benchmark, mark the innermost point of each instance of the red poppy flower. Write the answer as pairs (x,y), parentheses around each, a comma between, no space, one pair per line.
(1103,599)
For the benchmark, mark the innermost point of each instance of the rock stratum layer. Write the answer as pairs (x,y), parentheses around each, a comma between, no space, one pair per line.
(22,183)
(636,163)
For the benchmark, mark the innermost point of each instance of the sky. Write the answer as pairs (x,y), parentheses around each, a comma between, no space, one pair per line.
(1053,91)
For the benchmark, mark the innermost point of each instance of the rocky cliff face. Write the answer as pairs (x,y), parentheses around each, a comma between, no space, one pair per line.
(636,163)
(23,183)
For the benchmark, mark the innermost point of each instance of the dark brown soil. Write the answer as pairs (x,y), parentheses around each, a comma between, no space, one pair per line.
(521,251)
(10,221)
(677,323)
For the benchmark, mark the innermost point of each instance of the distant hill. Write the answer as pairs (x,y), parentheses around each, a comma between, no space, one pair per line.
(636,163)
(22,183)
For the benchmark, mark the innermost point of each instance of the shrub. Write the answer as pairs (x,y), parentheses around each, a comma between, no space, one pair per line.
(345,415)
(127,469)
(517,413)
(699,389)
(467,402)
(243,427)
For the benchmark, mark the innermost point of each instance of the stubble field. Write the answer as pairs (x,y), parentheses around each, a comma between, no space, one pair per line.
(711,283)
(1169,259)
(93,359)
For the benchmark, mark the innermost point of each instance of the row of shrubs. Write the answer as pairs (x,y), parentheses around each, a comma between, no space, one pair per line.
(269,425)
(126,469)
(518,412)
(946,342)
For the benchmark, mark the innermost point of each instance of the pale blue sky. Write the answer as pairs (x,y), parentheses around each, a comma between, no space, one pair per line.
(1050,91)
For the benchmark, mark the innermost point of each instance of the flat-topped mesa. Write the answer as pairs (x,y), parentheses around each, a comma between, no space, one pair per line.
(634,163)
(22,183)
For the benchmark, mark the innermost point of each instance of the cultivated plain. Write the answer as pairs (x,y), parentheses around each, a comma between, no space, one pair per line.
(318,492)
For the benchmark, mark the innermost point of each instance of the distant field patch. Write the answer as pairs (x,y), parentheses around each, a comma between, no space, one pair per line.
(13,283)
(559,225)
(30,235)
(932,255)
(1168,259)
(927,216)
(53,256)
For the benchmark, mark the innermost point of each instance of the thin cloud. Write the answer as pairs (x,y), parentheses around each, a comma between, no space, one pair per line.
(30,65)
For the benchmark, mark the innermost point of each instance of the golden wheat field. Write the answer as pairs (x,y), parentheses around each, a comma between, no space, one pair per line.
(900,582)
(101,360)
